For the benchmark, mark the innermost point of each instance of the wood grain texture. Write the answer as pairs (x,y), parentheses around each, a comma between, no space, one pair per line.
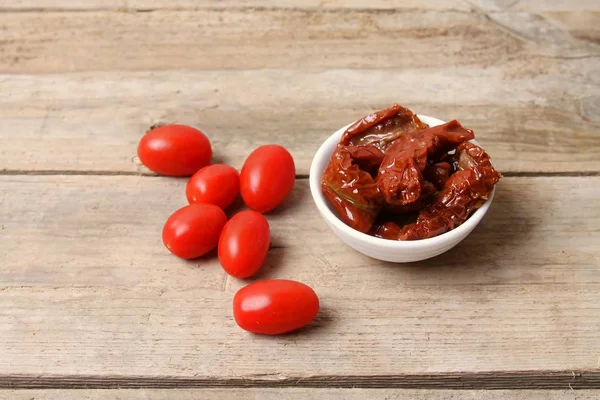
(516,380)
(57,42)
(496,380)
(93,121)
(528,83)
(89,291)
(219,4)
(89,297)
(297,394)
(493,5)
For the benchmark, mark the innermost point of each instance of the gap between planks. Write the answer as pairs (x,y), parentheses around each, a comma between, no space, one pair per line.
(229,8)
(508,174)
(150,5)
(293,393)
(496,380)
(98,173)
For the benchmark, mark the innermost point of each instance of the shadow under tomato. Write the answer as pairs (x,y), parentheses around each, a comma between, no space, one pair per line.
(269,270)
(219,159)
(202,260)
(235,207)
(294,200)
(323,319)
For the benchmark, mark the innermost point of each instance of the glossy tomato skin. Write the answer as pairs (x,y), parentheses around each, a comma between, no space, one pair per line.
(175,150)
(193,230)
(217,184)
(244,244)
(267,177)
(273,307)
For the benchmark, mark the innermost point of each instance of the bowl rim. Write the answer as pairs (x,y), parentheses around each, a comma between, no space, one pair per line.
(315,187)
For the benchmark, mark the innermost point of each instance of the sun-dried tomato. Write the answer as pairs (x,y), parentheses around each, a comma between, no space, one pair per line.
(400,176)
(389,166)
(380,129)
(438,173)
(349,186)
(465,191)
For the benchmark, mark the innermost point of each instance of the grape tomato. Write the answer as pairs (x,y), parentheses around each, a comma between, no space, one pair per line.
(217,184)
(174,150)
(267,177)
(194,230)
(244,244)
(276,306)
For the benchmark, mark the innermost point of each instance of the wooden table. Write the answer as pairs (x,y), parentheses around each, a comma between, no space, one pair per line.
(90,298)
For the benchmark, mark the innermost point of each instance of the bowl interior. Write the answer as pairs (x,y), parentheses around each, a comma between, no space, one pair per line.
(318,166)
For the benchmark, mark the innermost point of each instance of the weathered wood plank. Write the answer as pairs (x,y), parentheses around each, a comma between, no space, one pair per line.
(238,39)
(496,380)
(535,6)
(297,394)
(93,121)
(87,288)
(219,4)
(581,25)
(493,5)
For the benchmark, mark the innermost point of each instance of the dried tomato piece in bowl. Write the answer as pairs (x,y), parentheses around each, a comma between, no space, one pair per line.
(400,176)
(394,177)
(348,184)
(380,129)
(465,191)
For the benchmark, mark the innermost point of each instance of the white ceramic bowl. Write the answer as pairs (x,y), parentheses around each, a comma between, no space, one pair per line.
(383,249)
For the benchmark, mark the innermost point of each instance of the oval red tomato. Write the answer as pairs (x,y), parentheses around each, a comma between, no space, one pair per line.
(217,184)
(193,230)
(267,177)
(244,244)
(175,150)
(276,306)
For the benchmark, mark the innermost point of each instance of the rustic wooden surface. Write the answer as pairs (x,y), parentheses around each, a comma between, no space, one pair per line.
(89,298)
(297,394)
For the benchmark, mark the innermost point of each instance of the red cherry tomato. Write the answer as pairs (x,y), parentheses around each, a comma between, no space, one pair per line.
(244,244)
(193,230)
(276,306)
(175,150)
(267,177)
(217,184)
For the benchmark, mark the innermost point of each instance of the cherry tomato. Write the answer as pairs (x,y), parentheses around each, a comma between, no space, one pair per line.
(244,244)
(193,230)
(267,177)
(217,184)
(276,306)
(175,150)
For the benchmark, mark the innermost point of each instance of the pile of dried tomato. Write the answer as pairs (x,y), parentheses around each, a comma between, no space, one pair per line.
(394,177)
